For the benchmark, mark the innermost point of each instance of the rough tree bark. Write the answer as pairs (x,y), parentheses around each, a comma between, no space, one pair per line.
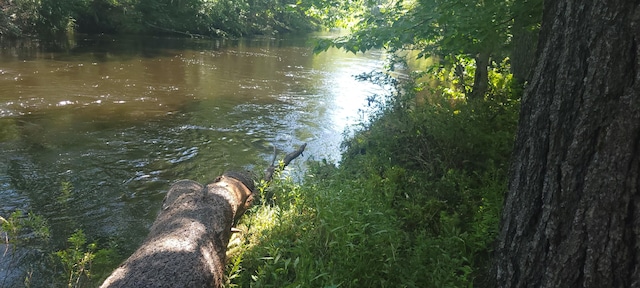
(572,213)
(187,244)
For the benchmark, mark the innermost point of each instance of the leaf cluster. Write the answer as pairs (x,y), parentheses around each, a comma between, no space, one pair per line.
(77,258)
(19,228)
(85,263)
(16,231)
(440,28)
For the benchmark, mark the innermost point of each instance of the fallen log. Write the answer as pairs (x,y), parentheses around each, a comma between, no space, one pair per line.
(186,246)
(187,243)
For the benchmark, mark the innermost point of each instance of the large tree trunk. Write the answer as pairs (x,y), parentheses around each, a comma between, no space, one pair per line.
(572,213)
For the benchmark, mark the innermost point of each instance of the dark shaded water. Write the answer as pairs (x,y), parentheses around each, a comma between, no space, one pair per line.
(91,135)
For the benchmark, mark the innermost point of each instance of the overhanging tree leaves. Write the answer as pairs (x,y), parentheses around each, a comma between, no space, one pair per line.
(180,17)
(475,29)
(572,213)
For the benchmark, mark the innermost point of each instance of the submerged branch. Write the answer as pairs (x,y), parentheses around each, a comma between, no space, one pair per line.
(287,159)
(219,32)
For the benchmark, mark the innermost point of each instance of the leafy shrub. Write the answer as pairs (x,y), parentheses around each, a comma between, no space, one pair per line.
(17,228)
(81,260)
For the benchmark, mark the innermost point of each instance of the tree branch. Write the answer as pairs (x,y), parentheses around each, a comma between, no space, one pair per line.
(219,32)
(268,175)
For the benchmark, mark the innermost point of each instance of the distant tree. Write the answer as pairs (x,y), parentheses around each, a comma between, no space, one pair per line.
(526,21)
(571,216)
(448,29)
(176,17)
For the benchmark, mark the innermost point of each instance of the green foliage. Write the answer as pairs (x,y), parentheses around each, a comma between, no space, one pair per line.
(419,187)
(439,28)
(18,228)
(456,33)
(58,16)
(194,18)
(77,258)
(415,201)
(80,257)
(31,229)
(367,232)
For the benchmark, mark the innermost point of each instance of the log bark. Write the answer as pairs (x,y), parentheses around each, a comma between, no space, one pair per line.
(186,246)
(571,216)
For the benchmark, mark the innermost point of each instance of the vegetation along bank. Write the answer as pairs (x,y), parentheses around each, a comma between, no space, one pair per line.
(417,198)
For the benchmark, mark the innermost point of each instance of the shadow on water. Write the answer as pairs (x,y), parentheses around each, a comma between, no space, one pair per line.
(93,131)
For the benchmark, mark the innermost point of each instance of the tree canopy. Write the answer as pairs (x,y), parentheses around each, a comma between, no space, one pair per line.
(481,31)
(211,18)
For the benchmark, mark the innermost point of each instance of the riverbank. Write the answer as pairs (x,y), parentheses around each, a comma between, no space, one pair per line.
(415,202)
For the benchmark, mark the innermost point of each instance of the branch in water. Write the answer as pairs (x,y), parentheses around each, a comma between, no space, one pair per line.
(268,175)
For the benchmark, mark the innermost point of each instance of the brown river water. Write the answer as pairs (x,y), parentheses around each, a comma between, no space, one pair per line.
(94,129)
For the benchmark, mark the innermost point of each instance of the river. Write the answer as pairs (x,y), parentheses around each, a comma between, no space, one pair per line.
(94,130)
